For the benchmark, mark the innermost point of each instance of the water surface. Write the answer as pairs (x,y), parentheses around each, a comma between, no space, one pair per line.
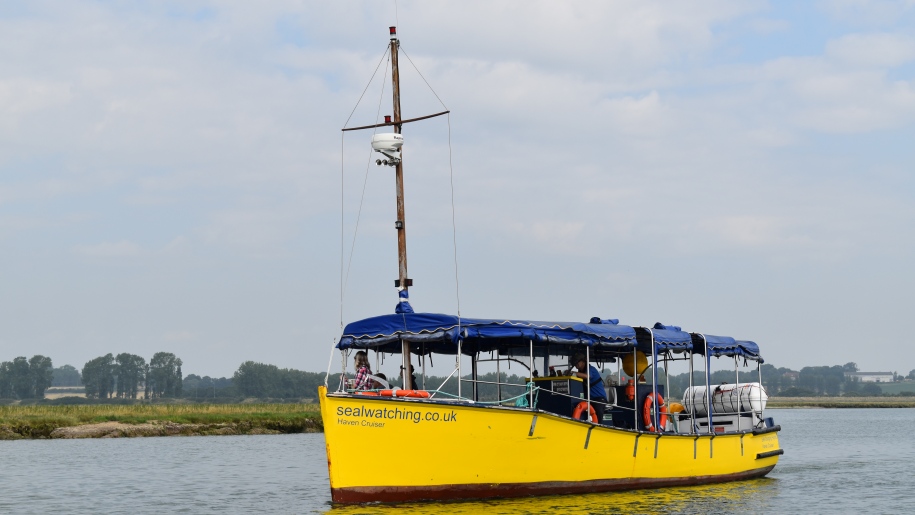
(849,460)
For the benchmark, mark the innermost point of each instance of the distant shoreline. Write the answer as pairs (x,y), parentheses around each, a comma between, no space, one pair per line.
(118,421)
(154,428)
(841,402)
(126,421)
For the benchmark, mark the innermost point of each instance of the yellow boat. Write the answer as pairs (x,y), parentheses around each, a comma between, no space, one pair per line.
(457,451)
(460,447)
(560,433)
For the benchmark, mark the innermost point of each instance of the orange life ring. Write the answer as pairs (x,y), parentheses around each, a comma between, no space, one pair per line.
(371,394)
(662,417)
(576,414)
(386,393)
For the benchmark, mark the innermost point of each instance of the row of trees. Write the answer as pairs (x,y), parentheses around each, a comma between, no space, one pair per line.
(121,376)
(261,380)
(206,387)
(124,376)
(25,378)
(809,381)
(66,376)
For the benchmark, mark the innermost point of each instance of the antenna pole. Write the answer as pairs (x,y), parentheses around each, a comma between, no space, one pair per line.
(403,282)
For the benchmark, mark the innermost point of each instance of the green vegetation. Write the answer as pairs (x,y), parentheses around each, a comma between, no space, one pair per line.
(121,376)
(66,375)
(128,378)
(163,376)
(40,421)
(809,382)
(902,388)
(262,380)
(25,379)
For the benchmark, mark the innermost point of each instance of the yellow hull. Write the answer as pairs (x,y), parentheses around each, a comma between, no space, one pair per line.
(384,449)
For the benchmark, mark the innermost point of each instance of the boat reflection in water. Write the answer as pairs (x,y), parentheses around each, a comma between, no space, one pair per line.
(547,436)
(736,497)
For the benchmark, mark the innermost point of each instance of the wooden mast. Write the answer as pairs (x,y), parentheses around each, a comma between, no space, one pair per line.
(402,281)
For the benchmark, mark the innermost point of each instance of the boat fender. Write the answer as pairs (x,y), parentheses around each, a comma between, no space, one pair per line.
(412,393)
(582,406)
(662,417)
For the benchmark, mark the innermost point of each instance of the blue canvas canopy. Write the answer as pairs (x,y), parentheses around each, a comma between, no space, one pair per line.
(389,330)
(750,350)
(666,337)
(725,346)
(440,333)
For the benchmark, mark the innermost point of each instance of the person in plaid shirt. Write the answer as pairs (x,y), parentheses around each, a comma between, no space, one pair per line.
(363,372)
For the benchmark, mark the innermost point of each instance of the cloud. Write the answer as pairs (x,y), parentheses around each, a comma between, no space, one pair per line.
(853,102)
(23,95)
(258,231)
(877,50)
(108,250)
(631,130)
(179,336)
(867,12)
(750,231)
(768,25)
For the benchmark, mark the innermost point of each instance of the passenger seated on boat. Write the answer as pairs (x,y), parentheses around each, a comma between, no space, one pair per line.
(380,382)
(363,372)
(592,376)
(414,384)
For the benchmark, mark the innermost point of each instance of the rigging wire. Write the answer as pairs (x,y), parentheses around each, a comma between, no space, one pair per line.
(423,77)
(385,54)
(365,181)
(342,228)
(344,278)
(457,282)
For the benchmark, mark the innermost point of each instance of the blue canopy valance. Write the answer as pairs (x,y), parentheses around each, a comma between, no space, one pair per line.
(440,333)
(665,337)
(725,346)
(749,350)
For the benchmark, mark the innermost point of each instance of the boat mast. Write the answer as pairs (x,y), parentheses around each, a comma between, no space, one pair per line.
(402,282)
(394,155)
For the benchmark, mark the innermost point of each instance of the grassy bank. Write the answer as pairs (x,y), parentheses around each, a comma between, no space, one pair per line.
(43,421)
(841,402)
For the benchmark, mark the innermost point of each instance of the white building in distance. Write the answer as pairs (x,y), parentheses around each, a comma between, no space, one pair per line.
(871,377)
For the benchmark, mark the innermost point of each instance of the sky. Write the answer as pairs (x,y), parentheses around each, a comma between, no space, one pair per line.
(173,176)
